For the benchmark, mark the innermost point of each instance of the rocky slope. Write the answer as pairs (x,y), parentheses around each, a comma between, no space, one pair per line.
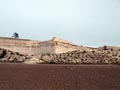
(102,55)
(9,56)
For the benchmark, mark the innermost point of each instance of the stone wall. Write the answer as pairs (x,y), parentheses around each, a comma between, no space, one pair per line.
(32,47)
(61,47)
(43,47)
(23,46)
(61,40)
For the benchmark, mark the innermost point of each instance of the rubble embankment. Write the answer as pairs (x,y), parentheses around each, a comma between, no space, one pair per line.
(98,56)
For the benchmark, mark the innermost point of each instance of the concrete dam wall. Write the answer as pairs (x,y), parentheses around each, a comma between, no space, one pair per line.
(32,47)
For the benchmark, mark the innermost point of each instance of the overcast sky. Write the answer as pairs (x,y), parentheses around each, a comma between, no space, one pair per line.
(84,22)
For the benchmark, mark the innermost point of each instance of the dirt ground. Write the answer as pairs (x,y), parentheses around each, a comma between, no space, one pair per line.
(59,77)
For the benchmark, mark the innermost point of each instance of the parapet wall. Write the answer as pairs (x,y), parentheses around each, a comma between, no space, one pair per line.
(32,47)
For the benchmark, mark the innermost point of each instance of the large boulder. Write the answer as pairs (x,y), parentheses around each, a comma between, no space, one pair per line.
(34,60)
(47,58)
(21,59)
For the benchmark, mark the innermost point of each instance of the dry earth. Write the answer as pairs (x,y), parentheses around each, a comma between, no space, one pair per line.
(59,77)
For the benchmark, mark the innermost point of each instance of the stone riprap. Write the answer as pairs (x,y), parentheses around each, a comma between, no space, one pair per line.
(73,57)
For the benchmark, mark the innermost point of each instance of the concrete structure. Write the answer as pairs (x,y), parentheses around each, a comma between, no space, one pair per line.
(32,47)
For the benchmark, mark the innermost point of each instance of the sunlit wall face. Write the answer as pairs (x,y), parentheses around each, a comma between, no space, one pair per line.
(84,22)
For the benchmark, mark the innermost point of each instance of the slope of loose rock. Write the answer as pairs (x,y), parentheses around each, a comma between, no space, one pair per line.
(9,56)
(78,57)
(98,56)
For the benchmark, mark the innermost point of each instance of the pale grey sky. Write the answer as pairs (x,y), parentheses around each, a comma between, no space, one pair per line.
(84,22)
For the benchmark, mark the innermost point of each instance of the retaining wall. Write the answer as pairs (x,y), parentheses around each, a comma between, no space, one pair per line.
(32,47)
